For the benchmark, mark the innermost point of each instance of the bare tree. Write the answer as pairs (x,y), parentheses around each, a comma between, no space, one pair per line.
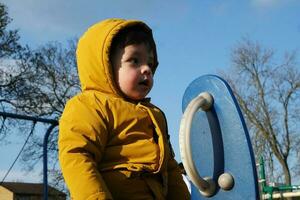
(9,50)
(9,39)
(40,82)
(9,46)
(268,91)
(55,82)
(35,82)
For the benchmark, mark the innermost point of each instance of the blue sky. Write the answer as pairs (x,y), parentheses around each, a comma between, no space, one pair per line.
(193,37)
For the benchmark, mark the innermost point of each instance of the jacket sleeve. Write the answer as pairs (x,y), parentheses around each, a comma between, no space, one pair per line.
(177,189)
(82,138)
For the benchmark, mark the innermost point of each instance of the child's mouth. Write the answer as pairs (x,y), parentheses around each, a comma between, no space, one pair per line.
(144,82)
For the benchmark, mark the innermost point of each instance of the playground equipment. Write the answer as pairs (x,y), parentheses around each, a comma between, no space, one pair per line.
(275,192)
(214,142)
(52,124)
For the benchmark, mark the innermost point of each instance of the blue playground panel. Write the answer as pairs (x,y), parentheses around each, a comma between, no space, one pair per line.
(220,141)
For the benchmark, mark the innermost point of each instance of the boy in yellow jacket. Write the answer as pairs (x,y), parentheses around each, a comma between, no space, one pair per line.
(113,143)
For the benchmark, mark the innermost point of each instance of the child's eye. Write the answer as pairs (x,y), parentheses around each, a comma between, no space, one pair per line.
(134,61)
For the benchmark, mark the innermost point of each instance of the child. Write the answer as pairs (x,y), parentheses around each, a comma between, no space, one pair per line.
(113,143)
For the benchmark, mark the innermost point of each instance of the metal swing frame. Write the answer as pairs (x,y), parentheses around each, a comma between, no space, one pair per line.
(52,124)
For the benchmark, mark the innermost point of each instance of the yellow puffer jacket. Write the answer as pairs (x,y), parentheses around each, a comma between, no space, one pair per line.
(111,147)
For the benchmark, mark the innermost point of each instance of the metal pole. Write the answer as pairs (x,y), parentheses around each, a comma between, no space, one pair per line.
(28,118)
(53,123)
(262,180)
(45,161)
(262,175)
(281,195)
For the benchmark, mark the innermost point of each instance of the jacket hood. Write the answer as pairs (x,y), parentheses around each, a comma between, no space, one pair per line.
(93,49)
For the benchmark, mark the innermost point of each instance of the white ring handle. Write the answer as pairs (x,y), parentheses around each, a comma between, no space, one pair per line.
(206,185)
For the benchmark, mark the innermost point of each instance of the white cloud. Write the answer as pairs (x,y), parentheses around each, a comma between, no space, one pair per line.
(43,21)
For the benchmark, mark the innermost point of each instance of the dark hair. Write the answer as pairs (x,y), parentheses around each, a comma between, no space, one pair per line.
(133,35)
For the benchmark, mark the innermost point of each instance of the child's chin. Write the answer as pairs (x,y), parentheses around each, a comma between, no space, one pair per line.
(138,97)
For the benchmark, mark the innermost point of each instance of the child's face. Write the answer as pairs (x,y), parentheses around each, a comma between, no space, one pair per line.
(133,70)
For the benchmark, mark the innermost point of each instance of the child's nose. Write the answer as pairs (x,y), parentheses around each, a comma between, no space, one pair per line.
(146,69)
